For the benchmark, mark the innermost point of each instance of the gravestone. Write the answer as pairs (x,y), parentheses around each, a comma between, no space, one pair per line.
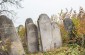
(44,26)
(32,37)
(56,35)
(68,23)
(70,28)
(28,20)
(10,37)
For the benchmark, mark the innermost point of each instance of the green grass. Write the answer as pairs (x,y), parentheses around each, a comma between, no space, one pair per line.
(71,49)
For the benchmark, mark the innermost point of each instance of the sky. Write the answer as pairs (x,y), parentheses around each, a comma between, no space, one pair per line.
(33,8)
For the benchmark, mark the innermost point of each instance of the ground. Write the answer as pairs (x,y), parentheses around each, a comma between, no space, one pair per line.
(70,49)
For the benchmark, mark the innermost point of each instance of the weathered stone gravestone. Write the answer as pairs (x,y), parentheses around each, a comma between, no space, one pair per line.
(69,26)
(28,20)
(10,37)
(32,37)
(44,25)
(56,35)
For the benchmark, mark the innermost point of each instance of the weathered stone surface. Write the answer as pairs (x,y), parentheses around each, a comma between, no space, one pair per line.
(70,28)
(32,38)
(44,25)
(68,24)
(9,35)
(56,35)
(28,20)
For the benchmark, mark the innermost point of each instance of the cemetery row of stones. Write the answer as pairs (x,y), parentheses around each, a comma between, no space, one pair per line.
(44,37)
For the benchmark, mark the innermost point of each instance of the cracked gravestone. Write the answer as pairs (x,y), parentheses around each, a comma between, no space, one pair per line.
(44,26)
(10,37)
(32,36)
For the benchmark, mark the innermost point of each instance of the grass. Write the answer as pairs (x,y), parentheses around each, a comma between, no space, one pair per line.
(70,49)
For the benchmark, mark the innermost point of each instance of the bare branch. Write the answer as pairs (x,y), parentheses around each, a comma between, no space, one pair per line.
(4,6)
(71,10)
(13,2)
(4,11)
(66,10)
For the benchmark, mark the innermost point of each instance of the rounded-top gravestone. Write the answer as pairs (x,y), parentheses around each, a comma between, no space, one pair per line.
(32,36)
(70,28)
(56,35)
(28,20)
(10,37)
(44,26)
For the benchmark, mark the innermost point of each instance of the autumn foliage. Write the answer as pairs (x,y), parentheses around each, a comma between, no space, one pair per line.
(79,24)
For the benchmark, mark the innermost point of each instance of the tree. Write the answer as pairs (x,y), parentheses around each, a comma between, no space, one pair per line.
(81,14)
(5,7)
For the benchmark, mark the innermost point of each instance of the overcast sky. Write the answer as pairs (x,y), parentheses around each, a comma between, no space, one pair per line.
(33,8)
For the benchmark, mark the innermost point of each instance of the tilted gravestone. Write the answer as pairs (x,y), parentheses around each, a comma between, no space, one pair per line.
(32,37)
(44,26)
(56,35)
(9,35)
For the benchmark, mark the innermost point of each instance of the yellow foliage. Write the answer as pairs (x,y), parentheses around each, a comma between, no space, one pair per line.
(79,25)
(64,33)
(21,32)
